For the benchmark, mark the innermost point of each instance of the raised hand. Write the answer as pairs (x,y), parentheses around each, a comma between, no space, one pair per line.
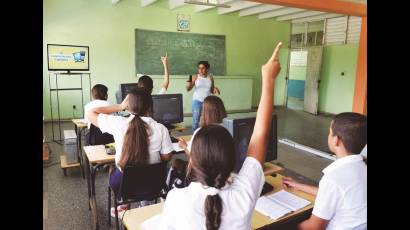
(164,59)
(271,68)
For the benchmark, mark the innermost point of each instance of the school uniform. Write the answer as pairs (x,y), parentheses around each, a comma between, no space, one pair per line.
(91,105)
(184,207)
(342,194)
(159,140)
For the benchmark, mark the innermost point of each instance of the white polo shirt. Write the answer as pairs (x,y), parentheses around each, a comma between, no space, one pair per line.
(159,140)
(184,207)
(91,105)
(342,194)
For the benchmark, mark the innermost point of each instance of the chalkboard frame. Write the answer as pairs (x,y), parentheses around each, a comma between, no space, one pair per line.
(220,71)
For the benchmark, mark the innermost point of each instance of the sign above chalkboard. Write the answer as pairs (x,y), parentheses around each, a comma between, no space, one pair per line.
(184,51)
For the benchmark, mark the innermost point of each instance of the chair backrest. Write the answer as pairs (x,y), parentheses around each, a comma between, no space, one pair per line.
(143,182)
(96,137)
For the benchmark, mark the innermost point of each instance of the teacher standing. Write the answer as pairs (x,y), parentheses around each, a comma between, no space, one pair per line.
(204,86)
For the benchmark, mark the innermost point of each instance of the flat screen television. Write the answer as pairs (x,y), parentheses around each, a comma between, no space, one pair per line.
(168,108)
(68,58)
(241,128)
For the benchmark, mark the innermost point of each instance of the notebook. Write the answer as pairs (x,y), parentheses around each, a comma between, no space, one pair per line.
(177,148)
(152,223)
(279,204)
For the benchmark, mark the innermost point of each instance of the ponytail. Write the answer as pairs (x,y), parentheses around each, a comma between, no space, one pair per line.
(135,146)
(213,211)
(212,161)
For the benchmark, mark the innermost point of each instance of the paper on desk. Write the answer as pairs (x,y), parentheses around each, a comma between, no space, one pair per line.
(289,200)
(152,223)
(270,208)
(176,147)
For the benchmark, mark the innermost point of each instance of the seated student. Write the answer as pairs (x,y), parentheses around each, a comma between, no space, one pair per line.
(147,83)
(341,199)
(213,112)
(138,139)
(99,94)
(210,202)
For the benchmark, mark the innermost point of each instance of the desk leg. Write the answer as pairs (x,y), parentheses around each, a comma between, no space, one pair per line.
(93,202)
(88,166)
(80,152)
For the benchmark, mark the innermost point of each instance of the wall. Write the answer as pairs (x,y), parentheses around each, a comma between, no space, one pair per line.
(109,31)
(336,91)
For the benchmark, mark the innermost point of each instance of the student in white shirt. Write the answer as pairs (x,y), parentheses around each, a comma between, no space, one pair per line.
(213,112)
(210,202)
(138,139)
(341,199)
(147,83)
(99,94)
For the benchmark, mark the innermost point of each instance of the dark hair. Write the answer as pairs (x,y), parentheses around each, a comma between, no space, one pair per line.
(205,63)
(351,128)
(213,110)
(136,139)
(146,82)
(99,92)
(212,161)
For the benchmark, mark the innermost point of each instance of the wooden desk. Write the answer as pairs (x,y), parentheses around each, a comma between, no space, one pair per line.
(178,127)
(134,217)
(80,123)
(95,157)
(268,167)
(79,126)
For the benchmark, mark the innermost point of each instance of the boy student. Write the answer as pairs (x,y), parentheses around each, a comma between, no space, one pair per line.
(341,199)
(99,94)
(139,140)
(147,83)
(210,202)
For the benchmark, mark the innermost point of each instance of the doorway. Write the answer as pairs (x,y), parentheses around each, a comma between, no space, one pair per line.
(297,79)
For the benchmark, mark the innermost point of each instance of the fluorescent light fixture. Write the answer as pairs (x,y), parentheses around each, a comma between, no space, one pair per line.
(207,3)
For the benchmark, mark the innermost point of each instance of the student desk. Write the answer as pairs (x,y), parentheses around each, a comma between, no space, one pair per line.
(95,157)
(79,126)
(134,217)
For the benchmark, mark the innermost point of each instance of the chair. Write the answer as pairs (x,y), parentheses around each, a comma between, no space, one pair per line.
(96,137)
(138,183)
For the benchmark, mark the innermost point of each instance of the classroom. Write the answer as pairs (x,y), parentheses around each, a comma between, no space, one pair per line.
(156,111)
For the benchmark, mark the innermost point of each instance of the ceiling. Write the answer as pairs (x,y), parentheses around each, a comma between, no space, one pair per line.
(262,11)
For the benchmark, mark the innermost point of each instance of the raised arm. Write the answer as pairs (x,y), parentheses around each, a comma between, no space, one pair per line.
(93,113)
(165,83)
(258,142)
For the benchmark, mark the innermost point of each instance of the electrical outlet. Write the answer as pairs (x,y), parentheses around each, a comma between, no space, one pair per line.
(74,107)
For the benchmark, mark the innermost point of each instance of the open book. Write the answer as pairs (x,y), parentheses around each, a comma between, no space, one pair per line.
(279,204)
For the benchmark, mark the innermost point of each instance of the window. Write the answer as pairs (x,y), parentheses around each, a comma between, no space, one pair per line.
(342,30)
(307,34)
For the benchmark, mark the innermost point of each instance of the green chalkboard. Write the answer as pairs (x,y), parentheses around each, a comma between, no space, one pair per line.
(184,51)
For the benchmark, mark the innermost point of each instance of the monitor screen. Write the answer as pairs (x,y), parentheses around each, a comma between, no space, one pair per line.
(67,57)
(168,108)
(126,88)
(241,130)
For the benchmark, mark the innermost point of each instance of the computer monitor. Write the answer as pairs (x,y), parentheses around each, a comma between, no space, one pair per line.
(168,108)
(241,128)
(126,88)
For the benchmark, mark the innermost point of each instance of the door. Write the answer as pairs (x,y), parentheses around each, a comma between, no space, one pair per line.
(311,98)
